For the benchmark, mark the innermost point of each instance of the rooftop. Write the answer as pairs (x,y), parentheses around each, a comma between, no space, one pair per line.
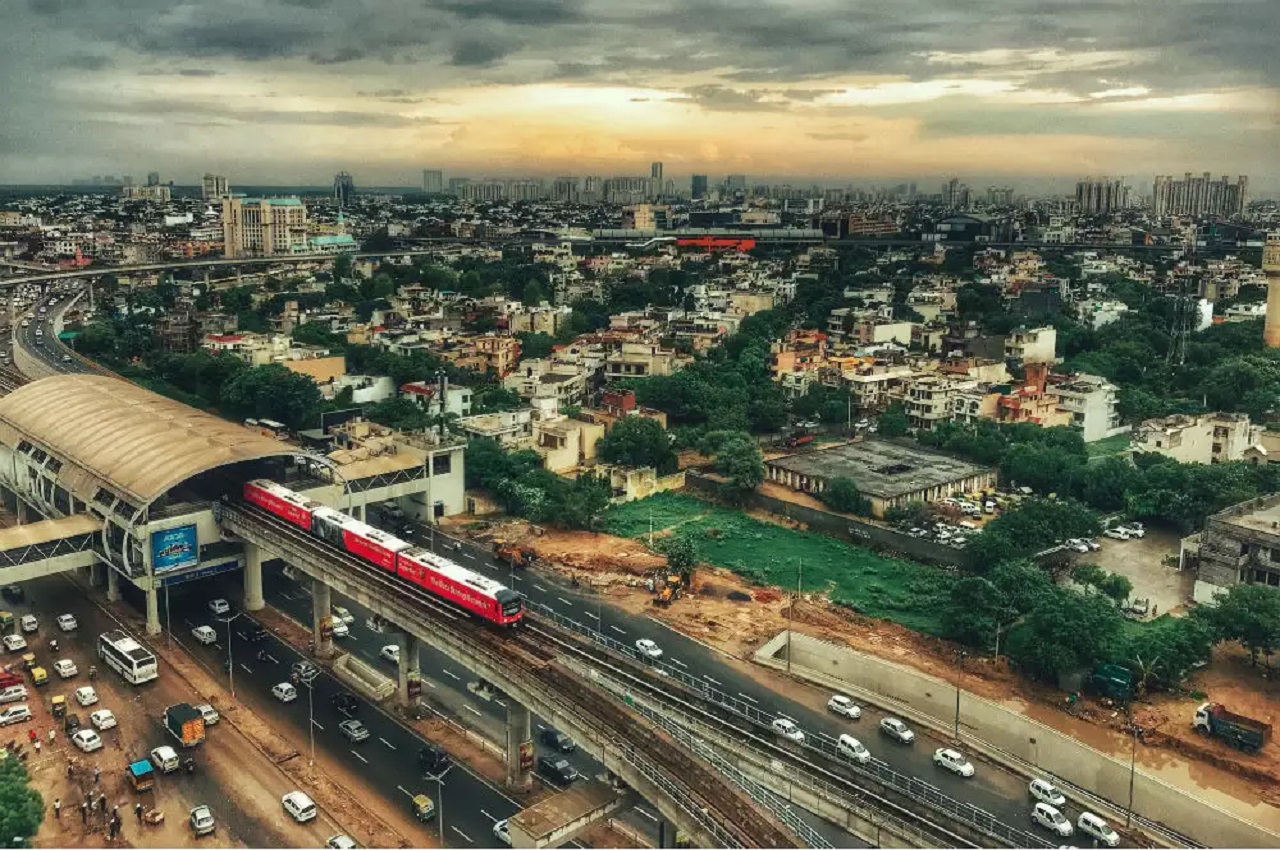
(882,469)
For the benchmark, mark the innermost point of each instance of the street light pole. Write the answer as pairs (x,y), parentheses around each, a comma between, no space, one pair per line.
(311,718)
(791,609)
(439,778)
(168,616)
(231,660)
(1133,762)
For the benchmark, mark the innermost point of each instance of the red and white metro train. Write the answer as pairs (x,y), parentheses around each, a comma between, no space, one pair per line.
(482,596)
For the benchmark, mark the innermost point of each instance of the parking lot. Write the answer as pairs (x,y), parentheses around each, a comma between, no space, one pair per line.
(1142,562)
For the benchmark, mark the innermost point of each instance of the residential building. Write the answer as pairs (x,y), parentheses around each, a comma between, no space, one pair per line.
(1032,401)
(432,182)
(501,354)
(344,189)
(1096,314)
(213,186)
(799,351)
(544,379)
(365,389)
(646,217)
(565,443)
(1035,345)
(435,398)
(1101,197)
(889,474)
(263,226)
(1207,438)
(1199,196)
(512,428)
(1240,545)
(643,360)
(1091,401)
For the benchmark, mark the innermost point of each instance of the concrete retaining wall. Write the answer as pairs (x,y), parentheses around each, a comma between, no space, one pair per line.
(1008,735)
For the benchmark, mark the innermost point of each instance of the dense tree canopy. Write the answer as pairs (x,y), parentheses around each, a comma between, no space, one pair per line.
(638,441)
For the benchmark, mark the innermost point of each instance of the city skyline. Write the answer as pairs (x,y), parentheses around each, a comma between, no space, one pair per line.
(294,91)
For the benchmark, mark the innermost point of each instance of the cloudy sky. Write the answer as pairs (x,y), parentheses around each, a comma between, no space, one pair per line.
(289,91)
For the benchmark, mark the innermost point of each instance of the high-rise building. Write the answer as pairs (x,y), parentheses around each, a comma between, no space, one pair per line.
(655,171)
(213,186)
(736,184)
(1199,196)
(153,178)
(458,185)
(955,195)
(263,226)
(432,182)
(153,192)
(699,186)
(565,189)
(1000,196)
(1101,196)
(344,189)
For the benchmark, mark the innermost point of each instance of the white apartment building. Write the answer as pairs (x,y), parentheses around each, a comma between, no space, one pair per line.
(1208,438)
(263,226)
(1034,345)
(1091,401)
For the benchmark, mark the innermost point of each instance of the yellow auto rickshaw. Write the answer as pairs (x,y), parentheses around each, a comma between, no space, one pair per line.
(58,706)
(39,676)
(423,808)
(28,660)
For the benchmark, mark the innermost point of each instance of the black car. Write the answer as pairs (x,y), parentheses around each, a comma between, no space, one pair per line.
(432,761)
(558,740)
(305,670)
(14,592)
(344,703)
(257,634)
(71,724)
(557,769)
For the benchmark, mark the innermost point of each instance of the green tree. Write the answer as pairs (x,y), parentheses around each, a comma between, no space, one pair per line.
(584,502)
(399,413)
(274,392)
(1116,587)
(1031,527)
(1164,651)
(971,612)
(237,299)
(314,333)
(492,398)
(1066,633)
(534,294)
(639,441)
(737,457)
(893,422)
(681,552)
(535,346)
(1250,614)
(842,494)
(21,808)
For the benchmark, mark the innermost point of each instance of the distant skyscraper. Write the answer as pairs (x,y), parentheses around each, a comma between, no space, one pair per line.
(1100,197)
(432,182)
(1199,196)
(344,189)
(955,195)
(699,186)
(1000,196)
(736,184)
(655,171)
(153,178)
(213,186)
(263,226)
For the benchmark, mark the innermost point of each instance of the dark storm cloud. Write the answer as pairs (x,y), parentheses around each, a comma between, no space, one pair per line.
(252,40)
(479,53)
(181,72)
(87,62)
(519,12)
(226,115)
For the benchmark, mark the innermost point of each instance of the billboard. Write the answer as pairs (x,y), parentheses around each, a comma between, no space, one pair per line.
(174,548)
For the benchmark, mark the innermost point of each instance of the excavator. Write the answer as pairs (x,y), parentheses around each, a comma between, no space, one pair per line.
(668,587)
(515,554)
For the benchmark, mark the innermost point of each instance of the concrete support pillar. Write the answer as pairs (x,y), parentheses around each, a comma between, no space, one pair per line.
(113,583)
(253,600)
(518,733)
(321,616)
(24,513)
(97,576)
(357,511)
(153,611)
(410,668)
(1271,268)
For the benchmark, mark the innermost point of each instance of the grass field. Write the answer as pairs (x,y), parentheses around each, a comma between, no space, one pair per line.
(878,586)
(1108,446)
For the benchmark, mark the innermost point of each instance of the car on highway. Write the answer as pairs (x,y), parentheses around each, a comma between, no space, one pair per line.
(648,649)
(953,761)
(354,731)
(205,635)
(340,842)
(788,729)
(66,358)
(87,740)
(103,719)
(849,747)
(67,622)
(342,615)
(285,692)
(344,703)
(301,807)
(844,706)
(897,730)
(86,696)
(502,833)
(201,820)
(15,643)
(165,759)
(390,652)
(257,634)
(557,769)
(1045,791)
(29,623)
(305,671)
(557,740)
(432,761)
(1097,829)
(209,713)
(15,714)
(1051,819)
(65,667)
(219,607)
(13,592)
(341,629)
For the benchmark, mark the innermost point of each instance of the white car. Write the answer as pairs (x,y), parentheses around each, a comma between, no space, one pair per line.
(340,629)
(1046,792)
(1097,829)
(788,729)
(67,622)
(205,635)
(952,761)
(1051,819)
(390,652)
(285,692)
(301,807)
(648,648)
(103,719)
(1135,529)
(1093,545)
(897,730)
(502,833)
(844,706)
(1075,544)
(340,842)
(218,607)
(342,615)
(851,748)
(29,623)
(209,713)
(201,820)
(1115,534)
(15,714)
(15,643)
(87,740)
(86,696)
(65,667)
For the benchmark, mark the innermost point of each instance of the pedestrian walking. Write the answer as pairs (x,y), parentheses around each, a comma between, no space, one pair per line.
(137,811)
(84,813)
(71,768)
(97,773)
(57,808)
(93,804)
(37,746)
(102,800)
(53,735)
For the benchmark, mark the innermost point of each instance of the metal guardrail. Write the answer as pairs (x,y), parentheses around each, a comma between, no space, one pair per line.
(876,770)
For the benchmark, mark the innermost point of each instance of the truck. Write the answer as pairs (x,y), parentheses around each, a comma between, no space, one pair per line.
(1243,733)
(513,553)
(185,723)
(141,776)
(795,441)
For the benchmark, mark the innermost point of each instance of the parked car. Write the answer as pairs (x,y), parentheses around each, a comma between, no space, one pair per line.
(29,623)
(558,740)
(103,719)
(205,635)
(648,649)
(285,692)
(201,820)
(209,713)
(87,740)
(844,706)
(953,761)
(65,667)
(897,730)
(86,696)
(1051,819)
(67,622)
(1046,792)
(15,714)
(1135,529)
(1075,544)
(354,731)
(299,806)
(1117,533)
(14,643)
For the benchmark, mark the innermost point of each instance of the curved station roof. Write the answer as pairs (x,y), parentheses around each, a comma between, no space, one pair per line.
(119,435)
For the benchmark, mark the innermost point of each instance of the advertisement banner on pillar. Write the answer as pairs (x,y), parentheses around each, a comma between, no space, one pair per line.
(174,548)
(526,755)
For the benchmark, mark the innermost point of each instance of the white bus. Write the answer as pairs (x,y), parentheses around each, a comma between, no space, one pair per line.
(127,657)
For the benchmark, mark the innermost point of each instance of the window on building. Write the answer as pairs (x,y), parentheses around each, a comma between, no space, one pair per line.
(441,464)
(1266,577)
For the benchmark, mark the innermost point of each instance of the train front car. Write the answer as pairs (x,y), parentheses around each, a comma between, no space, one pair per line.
(492,601)
(360,539)
(281,501)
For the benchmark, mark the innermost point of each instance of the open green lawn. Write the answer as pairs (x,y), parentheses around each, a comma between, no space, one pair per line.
(1109,446)
(878,586)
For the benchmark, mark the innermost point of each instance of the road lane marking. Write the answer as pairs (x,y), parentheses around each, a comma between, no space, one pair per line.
(463,834)
(646,814)
(388,743)
(468,555)
(618,630)
(540,587)
(357,755)
(501,703)
(540,726)
(272,659)
(473,711)
(565,601)
(592,614)
(400,788)
(518,578)
(246,669)
(450,674)
(317,724)
(242,636)
(747,698)
(489,816)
